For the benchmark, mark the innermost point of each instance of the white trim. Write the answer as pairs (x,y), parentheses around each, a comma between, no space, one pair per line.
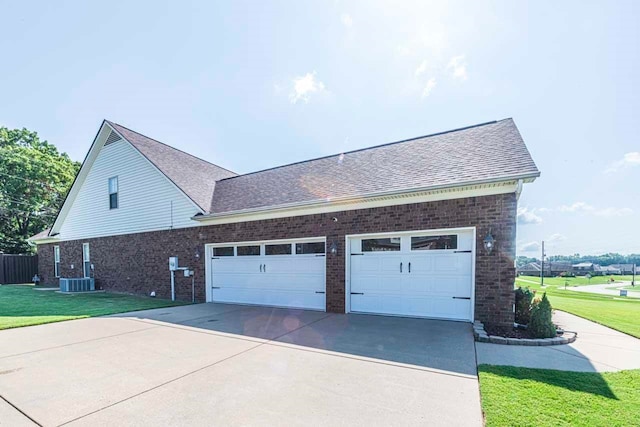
(56,260)
(347,261)
(337,205)
(208,254)
(85,260)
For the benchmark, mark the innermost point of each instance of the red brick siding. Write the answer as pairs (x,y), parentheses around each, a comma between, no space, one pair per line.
(137,263)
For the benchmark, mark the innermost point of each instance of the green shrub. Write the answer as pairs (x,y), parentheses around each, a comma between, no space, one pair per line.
(541,325)
(524,297)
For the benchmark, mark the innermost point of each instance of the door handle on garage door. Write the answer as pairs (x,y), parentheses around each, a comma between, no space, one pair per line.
(409,267)
(260,268)
(462,252)
(461,297)
(319,292)
(215,287)
(400,267)
(357,293)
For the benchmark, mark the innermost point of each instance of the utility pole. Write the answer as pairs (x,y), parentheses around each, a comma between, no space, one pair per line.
(633,278)
(542,267)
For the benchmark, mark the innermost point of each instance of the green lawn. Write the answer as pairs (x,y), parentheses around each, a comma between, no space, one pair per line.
(622,314)
(577,281)
(538,397)
(23,305)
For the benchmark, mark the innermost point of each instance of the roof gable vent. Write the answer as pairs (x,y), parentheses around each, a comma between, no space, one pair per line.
(113,137)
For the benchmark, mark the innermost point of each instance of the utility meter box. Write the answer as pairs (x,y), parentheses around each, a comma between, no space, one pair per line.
(173,263)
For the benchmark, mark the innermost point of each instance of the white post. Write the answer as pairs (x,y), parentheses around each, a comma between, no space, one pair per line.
(173,286)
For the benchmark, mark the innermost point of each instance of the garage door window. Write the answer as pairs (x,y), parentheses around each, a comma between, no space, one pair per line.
(248,250)
(223,251)
(427,243)
(310,248)
(381,245)
(281,249)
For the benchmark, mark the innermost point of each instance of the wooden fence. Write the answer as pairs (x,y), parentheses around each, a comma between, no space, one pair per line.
(17,268)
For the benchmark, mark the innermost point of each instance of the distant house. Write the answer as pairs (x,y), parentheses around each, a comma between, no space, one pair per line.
(530,269)
(584,268)
(606,270)
(625,268)
(551,269)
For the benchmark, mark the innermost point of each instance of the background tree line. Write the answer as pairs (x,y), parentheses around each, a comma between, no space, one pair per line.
(34,180)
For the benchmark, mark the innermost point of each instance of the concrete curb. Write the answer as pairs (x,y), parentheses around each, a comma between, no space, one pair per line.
(481,335)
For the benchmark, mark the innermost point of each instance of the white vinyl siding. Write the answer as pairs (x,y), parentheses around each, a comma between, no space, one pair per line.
(147,200)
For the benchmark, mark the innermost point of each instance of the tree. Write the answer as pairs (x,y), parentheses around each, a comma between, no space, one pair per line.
(34,180)
(541,325)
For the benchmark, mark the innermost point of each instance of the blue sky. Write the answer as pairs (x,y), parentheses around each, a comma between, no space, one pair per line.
(251,85)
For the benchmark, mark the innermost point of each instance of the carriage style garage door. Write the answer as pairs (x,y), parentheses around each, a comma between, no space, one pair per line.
(424,274)
(280,274)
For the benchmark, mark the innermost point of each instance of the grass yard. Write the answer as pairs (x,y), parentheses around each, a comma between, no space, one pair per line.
(576,281)
(615,312)
(23,305)
(538,397)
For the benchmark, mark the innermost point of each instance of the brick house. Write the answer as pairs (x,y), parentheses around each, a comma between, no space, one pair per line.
(423,227)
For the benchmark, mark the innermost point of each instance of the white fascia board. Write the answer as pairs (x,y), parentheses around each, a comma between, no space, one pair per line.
(43,241)
(387,199)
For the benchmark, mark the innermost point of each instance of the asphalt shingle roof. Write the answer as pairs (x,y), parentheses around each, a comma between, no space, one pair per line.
(196,177)
(489,151)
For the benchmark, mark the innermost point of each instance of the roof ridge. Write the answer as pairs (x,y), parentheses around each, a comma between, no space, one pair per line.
(170,146)
(368,148)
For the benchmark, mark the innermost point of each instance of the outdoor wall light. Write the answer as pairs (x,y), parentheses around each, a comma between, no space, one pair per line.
(197,254)
(489,243)
(333,248)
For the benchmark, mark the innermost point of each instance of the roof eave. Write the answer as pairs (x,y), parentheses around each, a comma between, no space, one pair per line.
(528,177)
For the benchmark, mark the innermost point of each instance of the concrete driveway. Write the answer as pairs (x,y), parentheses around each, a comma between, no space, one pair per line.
(215,364)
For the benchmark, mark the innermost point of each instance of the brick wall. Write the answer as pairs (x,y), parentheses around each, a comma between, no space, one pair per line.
(137,263)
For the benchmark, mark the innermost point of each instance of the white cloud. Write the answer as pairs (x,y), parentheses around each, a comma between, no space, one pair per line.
(458,67)
(530,247)
(429,87)
(576,207)
(587,208)
(346,19)
(610,212)
(304,86)
(421,68)
(628,160)
(557,237)
(526,216)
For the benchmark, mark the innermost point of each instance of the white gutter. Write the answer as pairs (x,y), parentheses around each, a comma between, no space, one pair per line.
(324,202)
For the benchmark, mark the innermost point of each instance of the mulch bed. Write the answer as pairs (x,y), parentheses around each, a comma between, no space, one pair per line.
(508,332)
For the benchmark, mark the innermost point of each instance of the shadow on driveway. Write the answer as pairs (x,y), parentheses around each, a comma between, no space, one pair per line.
(434,344)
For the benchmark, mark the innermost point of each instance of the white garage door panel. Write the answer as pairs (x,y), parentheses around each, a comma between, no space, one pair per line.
(425,283)
(275,280)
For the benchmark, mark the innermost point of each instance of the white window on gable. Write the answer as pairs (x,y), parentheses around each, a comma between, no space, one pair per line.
(113,193)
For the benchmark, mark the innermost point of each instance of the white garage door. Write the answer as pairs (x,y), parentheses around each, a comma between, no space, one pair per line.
(280,274)
(427,274)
